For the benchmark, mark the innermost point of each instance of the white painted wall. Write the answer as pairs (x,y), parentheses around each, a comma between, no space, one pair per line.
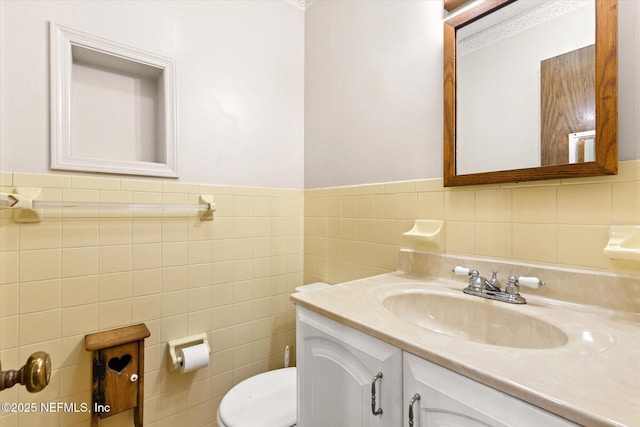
(629,79)
(373,91)
(240,81)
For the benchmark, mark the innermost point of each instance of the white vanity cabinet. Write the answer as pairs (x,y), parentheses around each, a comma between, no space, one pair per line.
(448,399)
(337,367)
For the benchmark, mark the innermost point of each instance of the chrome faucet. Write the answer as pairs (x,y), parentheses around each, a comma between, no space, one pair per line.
(492,284)
(490,288)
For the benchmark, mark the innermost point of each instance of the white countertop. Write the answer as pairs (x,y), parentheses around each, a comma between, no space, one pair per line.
(593,380)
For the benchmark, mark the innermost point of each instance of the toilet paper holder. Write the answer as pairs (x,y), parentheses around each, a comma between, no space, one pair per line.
(177,344)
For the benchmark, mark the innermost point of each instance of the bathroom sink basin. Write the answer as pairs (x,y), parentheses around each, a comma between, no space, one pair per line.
(477,320)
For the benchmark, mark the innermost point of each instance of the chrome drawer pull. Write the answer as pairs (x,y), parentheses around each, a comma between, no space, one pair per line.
(415,398)
(375,411)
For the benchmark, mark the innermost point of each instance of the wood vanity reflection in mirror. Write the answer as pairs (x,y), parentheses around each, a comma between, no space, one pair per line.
(461,104)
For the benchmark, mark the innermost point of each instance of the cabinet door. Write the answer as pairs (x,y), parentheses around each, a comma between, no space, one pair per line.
(448,399)
(336,370)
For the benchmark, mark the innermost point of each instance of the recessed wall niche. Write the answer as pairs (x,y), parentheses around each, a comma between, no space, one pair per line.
(112,107)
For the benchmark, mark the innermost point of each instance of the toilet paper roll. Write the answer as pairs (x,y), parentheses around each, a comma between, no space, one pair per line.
(194,357)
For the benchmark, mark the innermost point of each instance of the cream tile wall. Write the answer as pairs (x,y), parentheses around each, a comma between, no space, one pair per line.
(82,271)
(353,232)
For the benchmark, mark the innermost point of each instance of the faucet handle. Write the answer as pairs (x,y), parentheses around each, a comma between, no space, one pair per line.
(461,271)
(475,281)
(512,287)
(530,282)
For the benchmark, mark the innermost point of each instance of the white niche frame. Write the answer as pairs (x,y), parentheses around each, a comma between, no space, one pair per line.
(62,42)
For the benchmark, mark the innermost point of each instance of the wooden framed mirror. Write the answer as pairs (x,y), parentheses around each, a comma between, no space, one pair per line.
(603,159)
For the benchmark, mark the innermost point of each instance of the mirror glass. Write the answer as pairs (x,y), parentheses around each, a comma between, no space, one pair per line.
(497,77)
(524,91)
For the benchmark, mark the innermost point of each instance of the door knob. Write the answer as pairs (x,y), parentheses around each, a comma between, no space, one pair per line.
(34,375)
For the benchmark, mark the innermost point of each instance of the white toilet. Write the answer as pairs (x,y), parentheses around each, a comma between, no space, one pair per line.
(264,400)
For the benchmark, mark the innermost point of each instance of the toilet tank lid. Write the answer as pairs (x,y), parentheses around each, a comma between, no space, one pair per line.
(312,287)
(264,400)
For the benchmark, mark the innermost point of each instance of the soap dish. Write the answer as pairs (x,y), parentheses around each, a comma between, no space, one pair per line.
(428,232)
(624,243)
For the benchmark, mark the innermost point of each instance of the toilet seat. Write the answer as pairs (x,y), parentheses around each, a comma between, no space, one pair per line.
(264,400)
